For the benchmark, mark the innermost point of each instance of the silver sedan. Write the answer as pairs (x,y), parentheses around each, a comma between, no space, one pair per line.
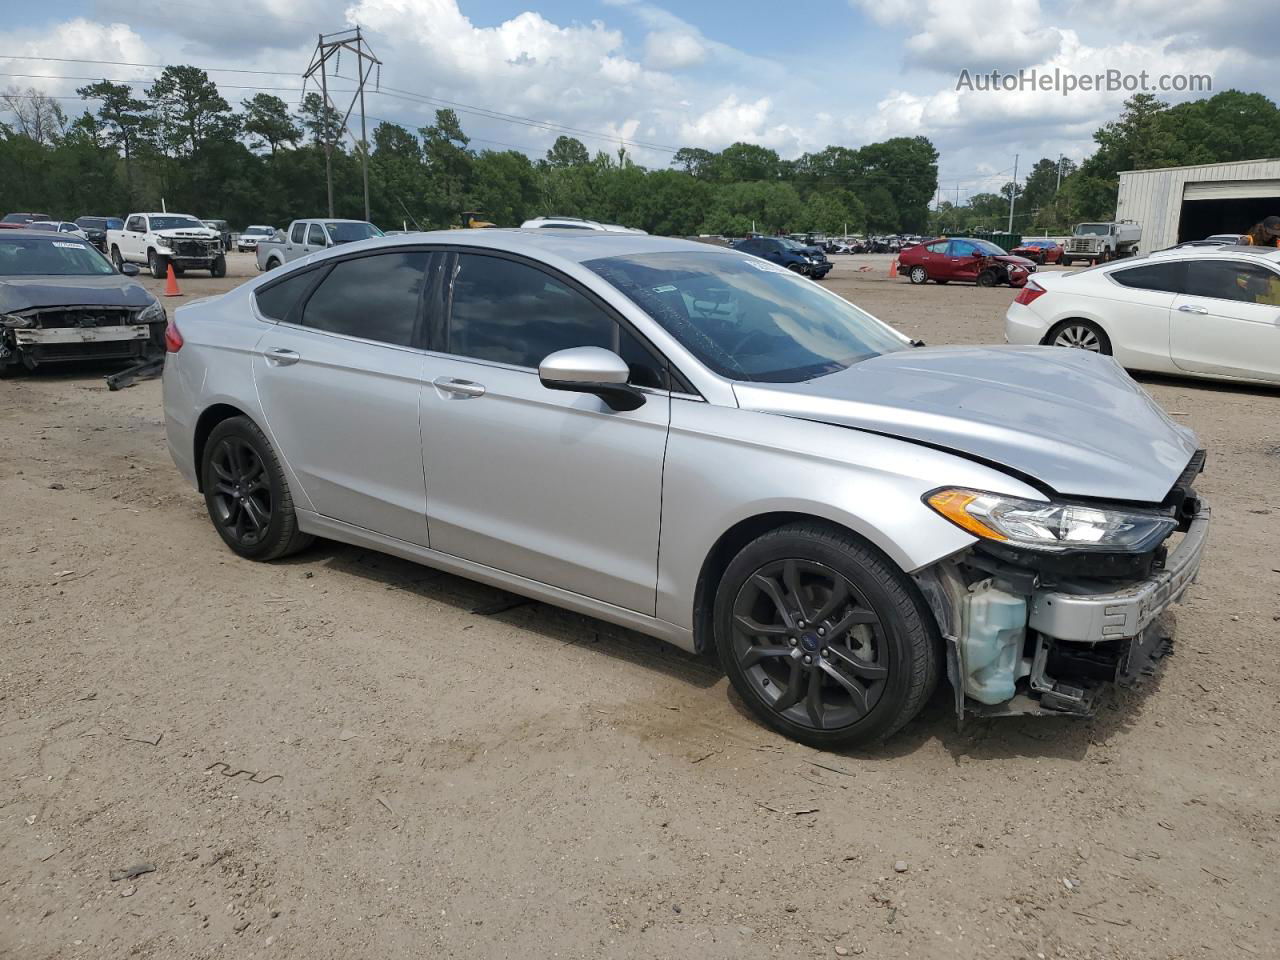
(699,445)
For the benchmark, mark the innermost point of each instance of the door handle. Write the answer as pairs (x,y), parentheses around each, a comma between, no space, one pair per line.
(459,388)
(280,357)
(1191,308)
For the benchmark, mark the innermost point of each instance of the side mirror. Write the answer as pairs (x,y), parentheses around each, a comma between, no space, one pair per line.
(130,269)
(593,370)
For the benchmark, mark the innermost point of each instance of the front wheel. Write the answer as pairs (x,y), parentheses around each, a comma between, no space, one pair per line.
(918,275)
(823,637)
(158,265)
(987,278)
(219,267)
(246,493)
(117,261)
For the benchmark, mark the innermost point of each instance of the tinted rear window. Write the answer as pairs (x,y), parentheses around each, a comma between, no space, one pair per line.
(1164,277)
(278,300)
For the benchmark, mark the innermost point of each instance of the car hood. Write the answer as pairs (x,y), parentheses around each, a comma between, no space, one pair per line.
(109,290)
(189,233)
(1070,419)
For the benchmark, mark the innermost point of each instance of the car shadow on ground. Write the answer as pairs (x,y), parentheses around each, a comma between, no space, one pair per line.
(484,602)
(978,739)
(1223,387)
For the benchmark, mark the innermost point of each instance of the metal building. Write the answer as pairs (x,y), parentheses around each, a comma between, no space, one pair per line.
(1176,204)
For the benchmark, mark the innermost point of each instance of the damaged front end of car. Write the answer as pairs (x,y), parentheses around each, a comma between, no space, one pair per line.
(1058,601)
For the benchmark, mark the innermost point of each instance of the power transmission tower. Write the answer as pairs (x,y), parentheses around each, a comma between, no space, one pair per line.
(330,46)
(1013,192)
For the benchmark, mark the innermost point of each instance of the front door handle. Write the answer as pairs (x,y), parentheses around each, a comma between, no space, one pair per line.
(280,357)
(1192,308)
(459,388)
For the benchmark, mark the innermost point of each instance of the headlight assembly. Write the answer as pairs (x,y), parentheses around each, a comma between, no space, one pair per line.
(15,322)
(152,313)
(1053,527)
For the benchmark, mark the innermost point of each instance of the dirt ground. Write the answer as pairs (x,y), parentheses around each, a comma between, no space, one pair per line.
(346,755)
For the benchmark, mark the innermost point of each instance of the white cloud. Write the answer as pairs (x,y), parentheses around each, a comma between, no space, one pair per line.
(979,34)
(674,49)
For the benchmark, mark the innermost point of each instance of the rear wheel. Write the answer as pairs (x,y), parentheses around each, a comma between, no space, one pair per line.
(1079,334)
(824,638)
(246,493)
(918,275)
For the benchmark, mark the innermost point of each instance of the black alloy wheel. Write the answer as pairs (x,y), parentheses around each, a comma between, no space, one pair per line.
(823,637)
(240,500)
(247,494)
(809,640)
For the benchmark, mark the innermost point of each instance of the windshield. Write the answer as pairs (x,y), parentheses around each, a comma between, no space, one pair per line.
(176,223)
(988,248)
(259,232)
(793,244)
(93,223)
(747,319)
(350,232)
(1093,229)
(36,256)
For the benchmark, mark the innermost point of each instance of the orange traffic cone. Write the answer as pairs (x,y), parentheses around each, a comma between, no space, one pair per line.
(171,285)
(893,268)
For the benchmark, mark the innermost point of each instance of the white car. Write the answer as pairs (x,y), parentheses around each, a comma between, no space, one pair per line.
(248,240)
(58,226)
(1203,312)
(575,223)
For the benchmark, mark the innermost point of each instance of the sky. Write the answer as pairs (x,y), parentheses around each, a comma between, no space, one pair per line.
(654,77)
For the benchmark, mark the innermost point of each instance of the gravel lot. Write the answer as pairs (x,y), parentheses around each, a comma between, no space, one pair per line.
(417,775)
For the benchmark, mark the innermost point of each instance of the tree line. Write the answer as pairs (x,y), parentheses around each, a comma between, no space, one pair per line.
(182,142)
(1056,195)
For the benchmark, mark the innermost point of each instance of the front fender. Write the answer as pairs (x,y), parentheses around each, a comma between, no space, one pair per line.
(725,465)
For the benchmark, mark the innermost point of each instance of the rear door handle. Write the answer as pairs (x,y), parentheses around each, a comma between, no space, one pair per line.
(459,388)
(1191,308)
(280,357)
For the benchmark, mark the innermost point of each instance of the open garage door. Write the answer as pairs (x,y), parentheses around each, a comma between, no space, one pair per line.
(1226,206)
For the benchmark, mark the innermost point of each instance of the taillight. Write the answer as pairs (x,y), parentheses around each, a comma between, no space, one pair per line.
(172,337)
(1029,293)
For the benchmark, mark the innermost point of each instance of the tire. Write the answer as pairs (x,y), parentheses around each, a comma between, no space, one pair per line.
(918,275)
(246,493)
(219,267)
(941,282)
(272,263)
(1079,334)
(877,674)
(179,271)
(158,265)
(117,261)
(1064,262)
(987,278)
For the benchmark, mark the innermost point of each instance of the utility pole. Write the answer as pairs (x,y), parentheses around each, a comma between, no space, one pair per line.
(331,45)
(1061,158)
(1013,192)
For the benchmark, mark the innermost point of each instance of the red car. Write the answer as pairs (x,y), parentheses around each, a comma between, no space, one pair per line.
(964,259)
(1041,251)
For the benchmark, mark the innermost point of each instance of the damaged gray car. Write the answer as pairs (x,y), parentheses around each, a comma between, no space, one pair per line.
(704,447)
(61,299)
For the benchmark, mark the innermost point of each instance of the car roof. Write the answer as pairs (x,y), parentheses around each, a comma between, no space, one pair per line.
(1271,254)
(30,234)
(575,245)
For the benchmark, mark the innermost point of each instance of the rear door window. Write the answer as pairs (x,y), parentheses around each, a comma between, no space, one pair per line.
(1164,277)
(277,301)
(375,298)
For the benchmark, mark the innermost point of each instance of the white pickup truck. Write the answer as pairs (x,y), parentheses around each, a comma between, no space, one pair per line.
(160,239)
(308,236)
